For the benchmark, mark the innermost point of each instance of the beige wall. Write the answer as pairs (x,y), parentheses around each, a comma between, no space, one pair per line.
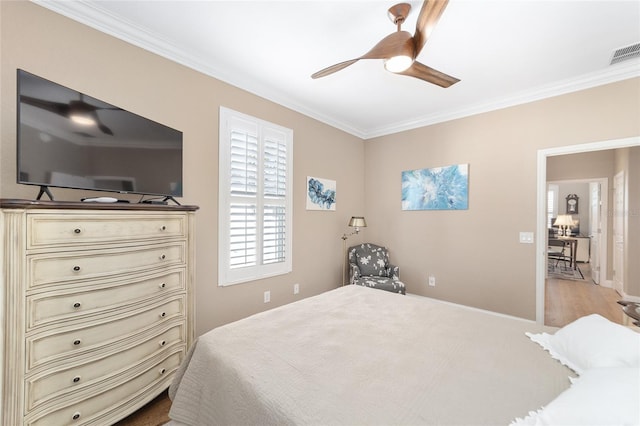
(59,49)
(475,254)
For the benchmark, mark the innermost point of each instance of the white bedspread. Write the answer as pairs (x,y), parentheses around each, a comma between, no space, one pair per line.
(356,356)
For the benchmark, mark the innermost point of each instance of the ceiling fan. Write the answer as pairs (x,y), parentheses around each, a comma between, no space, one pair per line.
(78,111)
(399,50)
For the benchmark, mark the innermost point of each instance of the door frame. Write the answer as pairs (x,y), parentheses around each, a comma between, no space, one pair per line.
(541,228)
(619,179)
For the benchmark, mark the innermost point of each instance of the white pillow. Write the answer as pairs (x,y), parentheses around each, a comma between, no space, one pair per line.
(592,342)
(601,396)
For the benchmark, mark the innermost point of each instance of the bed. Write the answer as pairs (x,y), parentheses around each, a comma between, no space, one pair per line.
(355,356)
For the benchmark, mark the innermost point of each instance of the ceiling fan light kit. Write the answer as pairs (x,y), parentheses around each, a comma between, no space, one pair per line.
(399,50)
(398,63)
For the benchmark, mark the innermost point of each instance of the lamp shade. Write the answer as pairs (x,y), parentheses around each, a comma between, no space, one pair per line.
(357,222)
(563,220)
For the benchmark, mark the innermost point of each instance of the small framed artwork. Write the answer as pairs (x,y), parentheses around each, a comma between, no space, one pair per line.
(321,194)
(572,204)
(438,188)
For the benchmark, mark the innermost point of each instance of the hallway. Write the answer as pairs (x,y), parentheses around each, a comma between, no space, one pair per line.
(568,300)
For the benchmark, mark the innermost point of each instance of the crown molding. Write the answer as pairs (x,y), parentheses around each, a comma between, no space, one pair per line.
(615,73)
(93,16)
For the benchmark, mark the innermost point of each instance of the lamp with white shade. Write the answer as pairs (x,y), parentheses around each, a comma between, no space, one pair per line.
(564,222)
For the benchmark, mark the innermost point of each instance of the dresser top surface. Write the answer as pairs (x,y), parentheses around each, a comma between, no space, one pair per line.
(7,203)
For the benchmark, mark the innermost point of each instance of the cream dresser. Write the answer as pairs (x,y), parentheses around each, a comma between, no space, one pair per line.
(97,308)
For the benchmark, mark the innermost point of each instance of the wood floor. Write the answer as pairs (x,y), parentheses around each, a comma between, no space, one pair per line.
(565,301)
(155,413)
(568,300)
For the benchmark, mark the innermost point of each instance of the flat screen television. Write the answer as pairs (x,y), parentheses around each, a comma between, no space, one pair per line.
(67,139)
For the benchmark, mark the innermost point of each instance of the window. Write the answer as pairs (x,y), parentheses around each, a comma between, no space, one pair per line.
(255,201)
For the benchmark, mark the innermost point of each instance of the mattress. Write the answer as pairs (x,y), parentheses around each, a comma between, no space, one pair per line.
(361,356)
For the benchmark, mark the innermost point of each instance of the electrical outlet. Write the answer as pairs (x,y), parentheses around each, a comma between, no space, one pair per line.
(296,288)
(432,281)
(267,296)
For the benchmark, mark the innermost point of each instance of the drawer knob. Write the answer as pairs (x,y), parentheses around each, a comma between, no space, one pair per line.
(76,268)
(162,257)
(76,305)
(163,228)
(163,342)
(77,231)
(162,285)
(163,370)
(164,314)
(75,416)
(77,342)
(76,379)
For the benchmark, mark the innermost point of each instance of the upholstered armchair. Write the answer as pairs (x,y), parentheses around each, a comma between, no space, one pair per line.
(369,266)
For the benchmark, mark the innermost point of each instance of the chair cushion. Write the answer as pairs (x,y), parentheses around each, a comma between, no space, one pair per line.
(372,260)
(382,283)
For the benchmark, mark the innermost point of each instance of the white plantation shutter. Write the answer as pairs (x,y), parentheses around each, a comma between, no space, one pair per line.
(274,234)
(275,193)
(255,198)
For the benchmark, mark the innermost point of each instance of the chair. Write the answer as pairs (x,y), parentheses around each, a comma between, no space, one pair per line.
(369,266)
(556,250)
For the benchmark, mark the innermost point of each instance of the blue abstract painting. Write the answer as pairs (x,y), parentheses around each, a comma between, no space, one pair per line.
(321,194)
(439,188)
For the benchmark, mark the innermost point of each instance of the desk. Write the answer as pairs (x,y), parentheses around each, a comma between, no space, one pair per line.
(573,248)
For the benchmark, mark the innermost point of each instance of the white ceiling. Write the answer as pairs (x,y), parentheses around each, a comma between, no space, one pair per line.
(505,52)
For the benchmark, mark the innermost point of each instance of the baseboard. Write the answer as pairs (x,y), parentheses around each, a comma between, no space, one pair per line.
(472,308)
(625,296)
(607,284)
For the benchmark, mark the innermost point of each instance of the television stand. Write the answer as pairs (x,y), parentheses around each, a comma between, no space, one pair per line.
(44,190)
(164,201)
(170,198)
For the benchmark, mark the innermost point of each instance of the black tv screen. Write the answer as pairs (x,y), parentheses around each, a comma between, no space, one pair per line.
(67,139)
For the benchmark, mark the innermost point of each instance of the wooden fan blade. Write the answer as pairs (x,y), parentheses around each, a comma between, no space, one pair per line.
(427,20)
(430,75)
(389,46)
(334,68)
(393,44)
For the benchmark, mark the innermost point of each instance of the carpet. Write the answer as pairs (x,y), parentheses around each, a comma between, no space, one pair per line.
(564,271)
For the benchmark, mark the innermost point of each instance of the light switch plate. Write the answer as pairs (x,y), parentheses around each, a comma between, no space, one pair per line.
(526,237)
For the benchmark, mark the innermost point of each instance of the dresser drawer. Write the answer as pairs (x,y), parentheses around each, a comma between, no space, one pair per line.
(46,230)
(98,404)
(81,340)
(61,381)
(81,266)
(53,306)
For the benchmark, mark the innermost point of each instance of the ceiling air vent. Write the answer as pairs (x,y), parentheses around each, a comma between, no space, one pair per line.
(625,53)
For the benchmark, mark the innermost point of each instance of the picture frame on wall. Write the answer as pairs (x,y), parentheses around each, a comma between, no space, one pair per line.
(321,194)
(437,188)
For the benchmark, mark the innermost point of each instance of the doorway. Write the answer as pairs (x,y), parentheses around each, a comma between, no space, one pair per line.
(590,223)
(541,228)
